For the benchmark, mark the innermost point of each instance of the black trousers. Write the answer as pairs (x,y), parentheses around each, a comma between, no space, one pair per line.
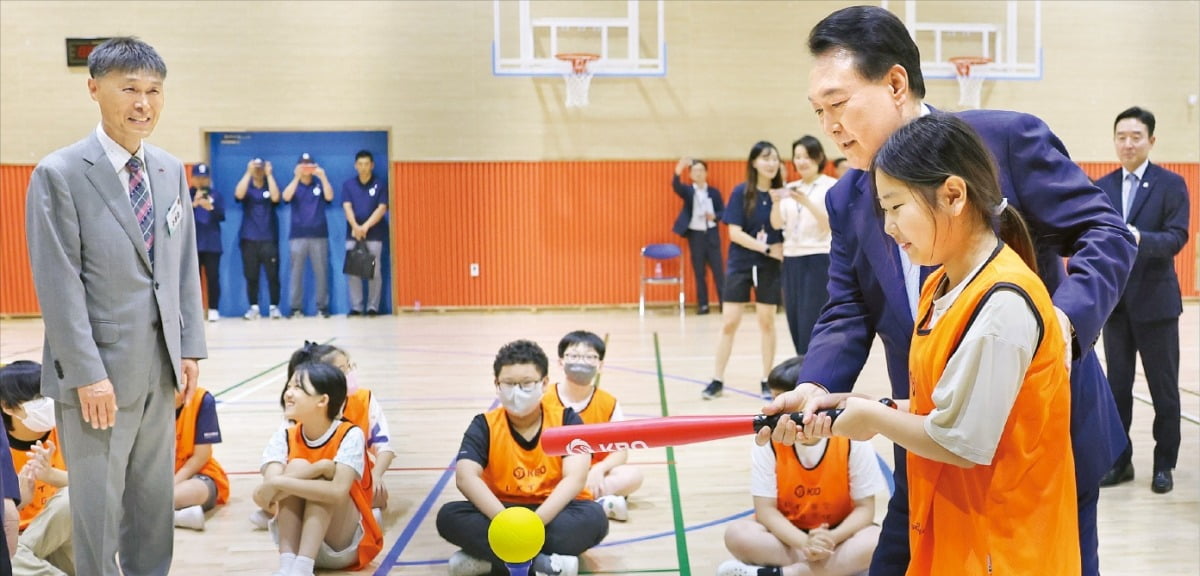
(1158,343)
(580,526)
(210,264)
(805,291)
(705,248)
(255,256)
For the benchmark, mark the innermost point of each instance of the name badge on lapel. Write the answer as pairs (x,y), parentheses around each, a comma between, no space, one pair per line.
(174,216)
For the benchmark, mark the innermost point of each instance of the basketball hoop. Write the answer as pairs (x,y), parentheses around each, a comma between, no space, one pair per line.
(971,72)
(579,78)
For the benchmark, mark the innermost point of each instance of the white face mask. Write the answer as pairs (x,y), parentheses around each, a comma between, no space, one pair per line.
(351,382)
(39,415)
(520,402)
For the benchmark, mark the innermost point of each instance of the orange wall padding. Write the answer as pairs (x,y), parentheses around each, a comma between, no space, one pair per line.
(543,233)
(16,280)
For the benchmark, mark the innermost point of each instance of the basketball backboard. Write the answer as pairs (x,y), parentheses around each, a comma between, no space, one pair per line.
(626,34)
(1008,32)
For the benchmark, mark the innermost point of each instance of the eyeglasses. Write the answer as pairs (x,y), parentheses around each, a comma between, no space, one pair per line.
(524,386)
(581,357)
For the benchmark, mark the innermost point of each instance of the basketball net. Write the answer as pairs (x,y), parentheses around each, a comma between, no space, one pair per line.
(971,72)
(579,79)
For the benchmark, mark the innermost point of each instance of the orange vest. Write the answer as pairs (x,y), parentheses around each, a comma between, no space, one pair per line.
(185,445)
(598,411)
(357,412)
(42,491)
(812,497)
(1016,515)
(360,492)
(516,475)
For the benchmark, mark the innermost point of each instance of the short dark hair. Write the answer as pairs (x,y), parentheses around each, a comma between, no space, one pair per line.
(924,153)
(364,154)
(837,162)
(521,352)
(875,37)
(308,353)
(1140,114)
(700,162)
(325,379)
(784,376)
(813,148)
(581,337)
(20,382)
(125,54)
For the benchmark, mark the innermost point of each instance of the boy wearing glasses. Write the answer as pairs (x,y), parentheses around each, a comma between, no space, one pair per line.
(501,464)
(611,480)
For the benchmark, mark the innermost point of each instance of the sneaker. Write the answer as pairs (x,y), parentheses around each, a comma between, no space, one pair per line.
(737,568)
(463,564)
(213,316)
(252,313)
(766,391)
(323,312)
(275,312)
(296,313)
(259,519)
(555,565)
(191,517)
(354,313)
(615,507)
(372,313)
(714,389)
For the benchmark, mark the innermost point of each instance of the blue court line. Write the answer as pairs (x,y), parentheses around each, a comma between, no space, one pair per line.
(410,529)
(634,540)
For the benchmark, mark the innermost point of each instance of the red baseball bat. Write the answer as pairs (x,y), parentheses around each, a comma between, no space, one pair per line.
(656,432)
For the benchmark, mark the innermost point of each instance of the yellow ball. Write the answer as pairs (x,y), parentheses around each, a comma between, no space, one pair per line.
(516,535)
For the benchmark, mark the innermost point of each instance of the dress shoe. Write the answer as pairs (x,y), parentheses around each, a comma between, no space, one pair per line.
(1162,482)
(702,310)
(1118,475)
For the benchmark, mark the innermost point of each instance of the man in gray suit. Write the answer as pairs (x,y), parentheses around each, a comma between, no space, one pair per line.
(113,248)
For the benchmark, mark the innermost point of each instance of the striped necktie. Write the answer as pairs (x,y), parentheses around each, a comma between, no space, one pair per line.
(143,206)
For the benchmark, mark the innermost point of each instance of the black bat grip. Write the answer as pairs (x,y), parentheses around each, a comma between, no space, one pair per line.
(763,421)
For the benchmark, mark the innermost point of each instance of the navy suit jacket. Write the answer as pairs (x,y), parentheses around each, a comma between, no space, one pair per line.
(1160,213)
(688,194)
(1068,217)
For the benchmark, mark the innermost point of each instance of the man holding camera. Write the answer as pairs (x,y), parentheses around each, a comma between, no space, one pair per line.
(209,213)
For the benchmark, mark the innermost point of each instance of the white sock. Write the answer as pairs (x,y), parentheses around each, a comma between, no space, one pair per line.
(303,566)
(285,562)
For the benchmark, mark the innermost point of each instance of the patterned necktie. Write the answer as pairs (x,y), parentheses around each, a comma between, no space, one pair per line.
(1133,188)
(143,206)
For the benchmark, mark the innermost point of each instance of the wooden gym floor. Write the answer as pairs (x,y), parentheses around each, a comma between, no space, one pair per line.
(432,372)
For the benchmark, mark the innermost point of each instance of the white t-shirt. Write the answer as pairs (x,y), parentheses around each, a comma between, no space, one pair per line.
(702,204)
(802,234)
(349,453)
(976,392)
(866,478)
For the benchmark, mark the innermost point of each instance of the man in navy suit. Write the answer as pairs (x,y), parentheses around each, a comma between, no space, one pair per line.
(1145,321)
(865,83)
(697,221)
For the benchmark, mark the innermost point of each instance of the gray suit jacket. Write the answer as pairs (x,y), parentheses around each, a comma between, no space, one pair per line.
(104,306)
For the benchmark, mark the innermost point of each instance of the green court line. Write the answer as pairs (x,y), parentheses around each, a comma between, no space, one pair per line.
(259,375)
(676,507)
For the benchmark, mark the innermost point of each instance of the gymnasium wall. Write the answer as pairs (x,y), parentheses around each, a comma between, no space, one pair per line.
(552,203)
(737,73)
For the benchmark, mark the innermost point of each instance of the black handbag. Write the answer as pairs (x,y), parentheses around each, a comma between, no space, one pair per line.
(359,261)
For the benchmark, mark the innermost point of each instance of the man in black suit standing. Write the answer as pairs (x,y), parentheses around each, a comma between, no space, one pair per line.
(1154,202)
(697,221)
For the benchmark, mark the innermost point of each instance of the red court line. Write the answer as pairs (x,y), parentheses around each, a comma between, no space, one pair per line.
(435,468)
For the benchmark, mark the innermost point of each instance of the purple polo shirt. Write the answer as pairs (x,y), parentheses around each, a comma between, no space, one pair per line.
(363,200)
(308,210)
(258,215)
